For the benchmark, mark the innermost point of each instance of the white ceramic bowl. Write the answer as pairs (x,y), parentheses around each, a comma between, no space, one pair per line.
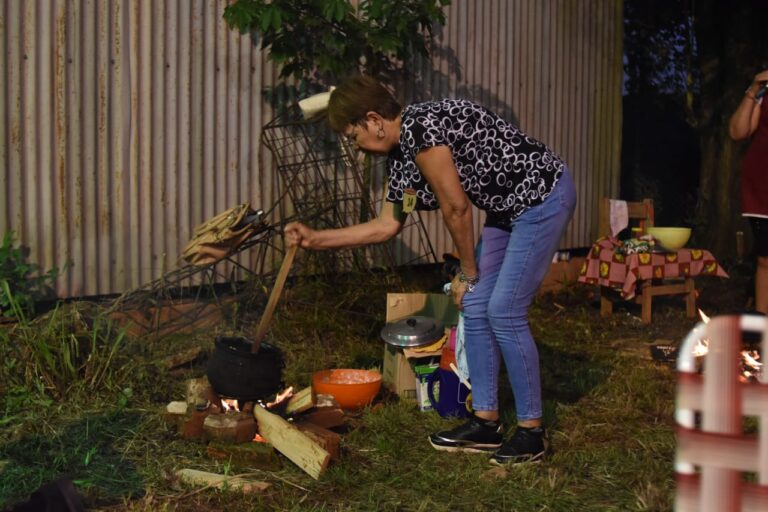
(671,239)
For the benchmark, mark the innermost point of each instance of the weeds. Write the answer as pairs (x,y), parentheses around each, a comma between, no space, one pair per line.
(71,346)
(608,408)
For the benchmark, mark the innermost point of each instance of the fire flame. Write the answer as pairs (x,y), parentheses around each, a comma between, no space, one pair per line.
(751,367)
(230,405)
(283,395)
(701,348)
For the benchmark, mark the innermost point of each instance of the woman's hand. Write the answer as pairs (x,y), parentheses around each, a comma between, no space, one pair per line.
(297,233)
(745,119)
(758,82)
(458,289)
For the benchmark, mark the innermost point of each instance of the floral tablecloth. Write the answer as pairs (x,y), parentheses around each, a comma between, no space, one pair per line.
(606,265)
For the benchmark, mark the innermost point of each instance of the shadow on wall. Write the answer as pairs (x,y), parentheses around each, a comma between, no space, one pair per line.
(428,83)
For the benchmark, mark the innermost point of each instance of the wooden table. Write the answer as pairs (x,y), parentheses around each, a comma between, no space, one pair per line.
(654,273)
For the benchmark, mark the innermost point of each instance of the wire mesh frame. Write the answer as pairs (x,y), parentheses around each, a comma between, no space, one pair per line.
(186,296)
(424,252)
(330,187)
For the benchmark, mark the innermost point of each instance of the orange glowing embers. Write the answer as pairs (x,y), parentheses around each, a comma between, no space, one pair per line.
(713,396)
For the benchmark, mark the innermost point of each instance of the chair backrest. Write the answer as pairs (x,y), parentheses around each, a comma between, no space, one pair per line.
(641,212)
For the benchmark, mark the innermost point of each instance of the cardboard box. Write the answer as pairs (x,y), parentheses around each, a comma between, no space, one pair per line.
(560,274)
(435,305)
(397,374)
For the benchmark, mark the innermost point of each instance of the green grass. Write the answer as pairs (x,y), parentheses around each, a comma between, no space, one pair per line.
(608,407)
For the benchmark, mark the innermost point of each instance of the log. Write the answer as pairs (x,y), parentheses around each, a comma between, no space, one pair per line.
(328,439)
(192,426)
(326,417)
(203,478)
(176,414)
(197,392)
(182,358)
(177,407)
(301,401)
(291,442)
(236,427)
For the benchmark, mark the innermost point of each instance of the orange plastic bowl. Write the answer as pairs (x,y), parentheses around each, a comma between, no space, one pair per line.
(351,388)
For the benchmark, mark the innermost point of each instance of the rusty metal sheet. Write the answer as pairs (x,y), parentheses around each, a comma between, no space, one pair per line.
(128,122)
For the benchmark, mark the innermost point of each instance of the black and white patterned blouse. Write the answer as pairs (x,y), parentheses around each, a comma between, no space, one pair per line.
(503,171)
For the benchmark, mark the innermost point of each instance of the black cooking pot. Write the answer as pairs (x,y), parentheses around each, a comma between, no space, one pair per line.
(235,372)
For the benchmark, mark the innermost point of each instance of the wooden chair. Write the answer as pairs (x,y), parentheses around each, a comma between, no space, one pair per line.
(641,215)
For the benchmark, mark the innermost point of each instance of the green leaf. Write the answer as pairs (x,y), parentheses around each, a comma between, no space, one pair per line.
(277,20)
(328,10)
(341,10)
(317,38)
(266,19)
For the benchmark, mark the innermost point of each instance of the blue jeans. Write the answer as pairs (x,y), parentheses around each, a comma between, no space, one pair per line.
(511,266)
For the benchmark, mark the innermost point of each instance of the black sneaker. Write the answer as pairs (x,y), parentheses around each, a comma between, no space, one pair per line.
(475,436)
(525,445)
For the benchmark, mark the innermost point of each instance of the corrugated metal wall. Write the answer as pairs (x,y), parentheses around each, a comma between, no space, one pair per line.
(124,123)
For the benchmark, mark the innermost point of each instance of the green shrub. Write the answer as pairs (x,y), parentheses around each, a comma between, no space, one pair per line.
(24,282)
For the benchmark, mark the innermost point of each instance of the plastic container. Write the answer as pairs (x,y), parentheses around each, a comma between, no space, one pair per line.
(352,389)
(670,239)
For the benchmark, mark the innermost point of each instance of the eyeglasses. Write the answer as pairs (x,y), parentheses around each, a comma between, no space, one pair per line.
(351,137)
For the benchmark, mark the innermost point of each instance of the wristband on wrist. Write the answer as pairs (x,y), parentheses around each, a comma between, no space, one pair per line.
(464,278)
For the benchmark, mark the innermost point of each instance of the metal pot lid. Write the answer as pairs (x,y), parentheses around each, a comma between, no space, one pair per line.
(413,331)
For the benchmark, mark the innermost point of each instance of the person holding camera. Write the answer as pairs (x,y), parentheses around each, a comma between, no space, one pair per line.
(451,154)
(750,120)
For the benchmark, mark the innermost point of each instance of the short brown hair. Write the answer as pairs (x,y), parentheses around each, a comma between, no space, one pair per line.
(355,97)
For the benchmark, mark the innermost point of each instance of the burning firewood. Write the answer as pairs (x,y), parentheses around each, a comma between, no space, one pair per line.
(291,442)
(301,401)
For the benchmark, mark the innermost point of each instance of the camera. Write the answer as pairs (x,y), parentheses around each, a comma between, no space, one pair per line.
(762,91)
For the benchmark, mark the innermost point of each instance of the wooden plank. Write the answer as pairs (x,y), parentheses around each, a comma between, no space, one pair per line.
(301,401)
(203,478)
(294,444)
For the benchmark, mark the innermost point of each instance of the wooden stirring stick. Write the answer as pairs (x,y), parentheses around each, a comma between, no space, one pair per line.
(266,318)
